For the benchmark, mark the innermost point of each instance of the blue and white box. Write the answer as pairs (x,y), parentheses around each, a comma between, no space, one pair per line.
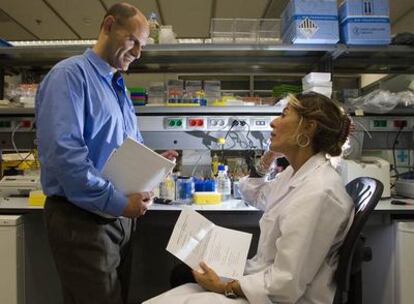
(310,22)
(365,22)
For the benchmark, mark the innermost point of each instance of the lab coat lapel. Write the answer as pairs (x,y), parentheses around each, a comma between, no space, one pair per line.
(307,169)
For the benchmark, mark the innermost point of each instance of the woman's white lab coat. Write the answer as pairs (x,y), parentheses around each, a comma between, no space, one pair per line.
(306,217)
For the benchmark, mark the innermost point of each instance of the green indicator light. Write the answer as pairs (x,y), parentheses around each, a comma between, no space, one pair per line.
(171,123)
(179,123)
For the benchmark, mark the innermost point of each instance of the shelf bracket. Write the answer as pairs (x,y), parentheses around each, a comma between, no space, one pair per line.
(338,51)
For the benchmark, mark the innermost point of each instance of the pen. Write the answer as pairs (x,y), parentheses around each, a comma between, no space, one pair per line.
(396,202)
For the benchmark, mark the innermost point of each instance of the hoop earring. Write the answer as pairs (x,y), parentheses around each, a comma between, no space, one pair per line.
(302,140)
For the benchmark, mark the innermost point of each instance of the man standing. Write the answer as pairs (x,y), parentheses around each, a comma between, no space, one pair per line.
(82,114)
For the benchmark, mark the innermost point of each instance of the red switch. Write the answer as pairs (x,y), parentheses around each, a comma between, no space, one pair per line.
(25,124)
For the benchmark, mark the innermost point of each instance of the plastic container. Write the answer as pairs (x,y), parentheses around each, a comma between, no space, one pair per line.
(212,90)
(184,189)
(207,198)
(268,31)
(245,30)
(221,30)
(236,190)
(207,185)
(156,93)
(154,27)
(167,188)
(223,183)
(175,91)
(167,35)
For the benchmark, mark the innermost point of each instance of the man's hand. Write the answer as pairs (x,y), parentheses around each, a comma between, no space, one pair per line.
(170,154)
(209,280)
(138,204)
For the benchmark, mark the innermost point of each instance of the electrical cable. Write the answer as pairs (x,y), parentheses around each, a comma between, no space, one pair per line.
(234,123)
(25,158)
(198,161)
(364,128)
(14,143)
(249,141)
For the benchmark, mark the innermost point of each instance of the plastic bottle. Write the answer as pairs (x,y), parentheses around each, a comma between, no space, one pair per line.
(223,183)
(167,188)
(154,27)
(214,164)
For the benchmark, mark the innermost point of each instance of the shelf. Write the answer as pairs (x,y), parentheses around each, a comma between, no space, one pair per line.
(168,110)
(393,59)
(233,58)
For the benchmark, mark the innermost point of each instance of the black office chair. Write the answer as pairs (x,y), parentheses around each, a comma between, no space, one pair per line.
(365,192)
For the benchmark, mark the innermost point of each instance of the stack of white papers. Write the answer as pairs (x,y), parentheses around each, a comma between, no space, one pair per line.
(195,239)
(134,167)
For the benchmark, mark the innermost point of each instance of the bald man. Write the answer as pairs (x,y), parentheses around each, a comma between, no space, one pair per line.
(83,113)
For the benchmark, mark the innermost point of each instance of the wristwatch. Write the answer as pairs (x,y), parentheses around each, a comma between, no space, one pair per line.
(228,290)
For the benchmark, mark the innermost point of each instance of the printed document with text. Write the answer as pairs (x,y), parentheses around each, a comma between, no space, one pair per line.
(195,239)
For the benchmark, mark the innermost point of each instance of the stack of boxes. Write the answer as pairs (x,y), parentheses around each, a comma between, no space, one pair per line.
(212,88)
(365,22)
(318,82)
(156,93)
(138,96)
(310,22)
(361,22)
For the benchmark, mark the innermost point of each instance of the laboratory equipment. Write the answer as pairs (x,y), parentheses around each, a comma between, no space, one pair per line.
(223,183)
(184,189)
(154,27)
(405,187)
(19,185)
(404,268)
(375,167)
(167,188)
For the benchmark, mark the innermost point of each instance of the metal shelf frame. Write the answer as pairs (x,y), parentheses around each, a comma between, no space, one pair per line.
(229,58)
(234,58)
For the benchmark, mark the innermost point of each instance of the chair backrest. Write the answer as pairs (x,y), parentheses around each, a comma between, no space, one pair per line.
(365,193)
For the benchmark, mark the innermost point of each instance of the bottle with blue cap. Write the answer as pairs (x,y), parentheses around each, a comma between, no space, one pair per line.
(223,183)
(154,27)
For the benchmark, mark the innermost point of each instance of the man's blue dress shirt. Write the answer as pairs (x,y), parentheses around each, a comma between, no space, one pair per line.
(81,117)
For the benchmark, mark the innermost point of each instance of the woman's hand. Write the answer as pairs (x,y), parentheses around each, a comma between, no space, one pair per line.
(209,280)
(268,158)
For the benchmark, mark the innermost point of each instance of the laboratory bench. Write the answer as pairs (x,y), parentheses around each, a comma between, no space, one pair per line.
(152,233)
(20,205)
(149,242)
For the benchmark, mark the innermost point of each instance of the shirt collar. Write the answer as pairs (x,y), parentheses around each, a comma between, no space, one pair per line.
(103,68)
(307,168)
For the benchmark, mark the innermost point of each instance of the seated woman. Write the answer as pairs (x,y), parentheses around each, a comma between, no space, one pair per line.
(307,214)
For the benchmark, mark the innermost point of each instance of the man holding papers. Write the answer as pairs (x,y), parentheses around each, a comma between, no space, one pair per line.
(83,113)
(307,213)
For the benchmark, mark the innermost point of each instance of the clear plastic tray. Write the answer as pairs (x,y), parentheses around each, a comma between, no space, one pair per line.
(244,30)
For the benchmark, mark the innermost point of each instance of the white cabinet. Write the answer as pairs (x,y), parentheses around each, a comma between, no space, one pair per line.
(404,262)
(12,286)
